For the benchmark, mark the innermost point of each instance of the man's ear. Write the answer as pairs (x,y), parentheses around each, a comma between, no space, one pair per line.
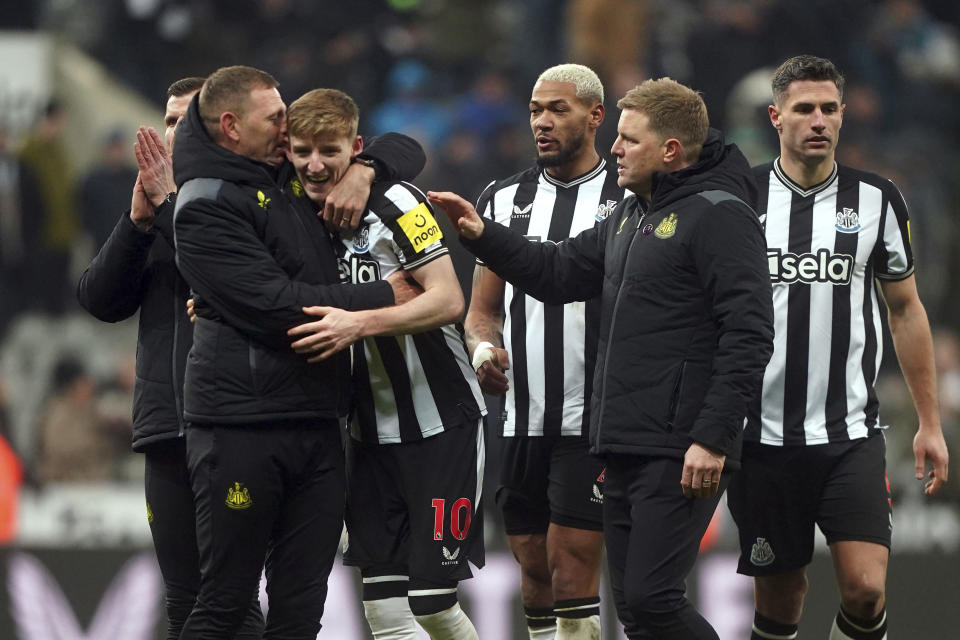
(230,126)
(357,147)
(597,114)
(775,117)
(672,150)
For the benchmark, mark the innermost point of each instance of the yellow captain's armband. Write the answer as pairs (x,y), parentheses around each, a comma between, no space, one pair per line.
(420,227)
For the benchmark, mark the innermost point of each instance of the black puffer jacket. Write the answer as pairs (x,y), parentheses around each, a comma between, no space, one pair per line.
(135,270)
(686,313)
(255,253)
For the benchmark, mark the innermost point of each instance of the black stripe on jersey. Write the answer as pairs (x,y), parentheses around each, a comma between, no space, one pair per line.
(798,327)
(835,411)
(396,367)
(451,392)
(522,199)
(880,257)
(364,413)
(561,219)
(872,408)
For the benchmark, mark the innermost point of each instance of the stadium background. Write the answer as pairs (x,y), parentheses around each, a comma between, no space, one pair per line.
(456,75)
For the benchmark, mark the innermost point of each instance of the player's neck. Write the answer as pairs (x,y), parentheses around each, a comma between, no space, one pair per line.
(807,173)
(579,165)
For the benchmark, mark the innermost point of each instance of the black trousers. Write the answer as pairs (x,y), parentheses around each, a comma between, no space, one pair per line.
(266,494)
(171,515)
(652,534)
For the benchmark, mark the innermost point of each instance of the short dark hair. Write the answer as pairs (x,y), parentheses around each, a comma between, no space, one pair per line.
(323,111)
(184,86)
(805,67)
(228,89)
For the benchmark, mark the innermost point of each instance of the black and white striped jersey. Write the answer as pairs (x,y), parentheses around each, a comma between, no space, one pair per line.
(408,387)
(825,247)
(552,347)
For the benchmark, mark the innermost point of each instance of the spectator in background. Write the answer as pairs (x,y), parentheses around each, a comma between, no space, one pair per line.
(487,105)
(410,106)
(44,156)
(20,229)
(76,443)
(105,189)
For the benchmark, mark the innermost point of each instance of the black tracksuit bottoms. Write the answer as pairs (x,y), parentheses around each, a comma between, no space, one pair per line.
(267,495)
(652,534)
(171,514)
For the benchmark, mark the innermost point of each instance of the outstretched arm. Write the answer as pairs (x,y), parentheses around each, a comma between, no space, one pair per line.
(552,272)
(910,330)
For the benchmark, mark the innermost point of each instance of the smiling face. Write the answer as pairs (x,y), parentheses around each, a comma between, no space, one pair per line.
(808,118)
(321,161)
(262,127)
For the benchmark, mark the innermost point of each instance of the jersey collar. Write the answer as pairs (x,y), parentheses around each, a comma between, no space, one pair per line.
(793,186)
(589,175)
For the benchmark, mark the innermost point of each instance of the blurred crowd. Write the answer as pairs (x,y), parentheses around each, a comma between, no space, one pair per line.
(455,75)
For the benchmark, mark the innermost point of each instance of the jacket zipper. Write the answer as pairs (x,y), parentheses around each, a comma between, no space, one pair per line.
(675,398)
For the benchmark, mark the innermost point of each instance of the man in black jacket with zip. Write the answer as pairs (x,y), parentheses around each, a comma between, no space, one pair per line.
(686,331)
(135,270)
(263,436)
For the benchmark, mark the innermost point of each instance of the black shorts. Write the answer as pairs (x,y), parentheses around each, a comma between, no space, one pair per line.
(414,508)
(546,479)
(781,492)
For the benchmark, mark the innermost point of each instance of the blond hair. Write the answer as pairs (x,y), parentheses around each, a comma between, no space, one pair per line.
(323,111)
(587,83)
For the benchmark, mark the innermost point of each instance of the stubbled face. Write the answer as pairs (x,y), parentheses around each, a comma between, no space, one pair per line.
(808,120)
(176,109)
(639,152)
(262,127)
(321,162)
(560,122)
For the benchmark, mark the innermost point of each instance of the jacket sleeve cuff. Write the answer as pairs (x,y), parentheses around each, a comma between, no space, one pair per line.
(716,437)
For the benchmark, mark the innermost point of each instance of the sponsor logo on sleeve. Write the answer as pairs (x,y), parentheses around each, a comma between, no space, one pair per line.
(420,227)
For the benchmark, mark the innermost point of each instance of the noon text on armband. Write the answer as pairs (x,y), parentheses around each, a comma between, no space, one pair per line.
(821,266)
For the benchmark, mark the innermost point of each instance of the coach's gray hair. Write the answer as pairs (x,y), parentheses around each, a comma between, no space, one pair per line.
(589,87)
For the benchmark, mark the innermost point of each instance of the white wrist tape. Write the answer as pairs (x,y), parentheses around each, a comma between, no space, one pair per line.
(482,353)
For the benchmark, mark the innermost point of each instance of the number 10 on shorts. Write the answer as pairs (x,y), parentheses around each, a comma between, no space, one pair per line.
(459,515)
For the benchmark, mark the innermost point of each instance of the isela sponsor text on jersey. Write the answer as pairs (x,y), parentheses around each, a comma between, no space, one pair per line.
(822,266)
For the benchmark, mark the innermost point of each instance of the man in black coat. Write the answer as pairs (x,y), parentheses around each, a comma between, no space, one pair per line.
(263,436)
(685,332)
(135,269)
